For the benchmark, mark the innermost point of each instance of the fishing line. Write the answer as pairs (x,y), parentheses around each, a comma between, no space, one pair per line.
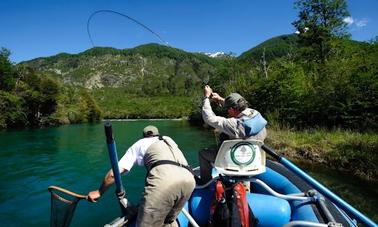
(123,15)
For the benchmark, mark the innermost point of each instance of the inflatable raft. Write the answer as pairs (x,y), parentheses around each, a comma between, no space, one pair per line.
(277,192)
(246,190)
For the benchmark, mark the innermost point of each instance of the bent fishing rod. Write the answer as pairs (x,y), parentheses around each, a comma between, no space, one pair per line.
(125,16)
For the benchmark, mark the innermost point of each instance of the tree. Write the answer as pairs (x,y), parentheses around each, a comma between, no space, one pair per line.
(7,72)
(89,108)
(11,112)
(319,23)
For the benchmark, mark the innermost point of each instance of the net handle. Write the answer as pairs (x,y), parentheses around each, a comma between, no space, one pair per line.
(79,196)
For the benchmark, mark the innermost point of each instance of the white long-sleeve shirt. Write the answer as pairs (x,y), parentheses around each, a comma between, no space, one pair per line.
(230,126)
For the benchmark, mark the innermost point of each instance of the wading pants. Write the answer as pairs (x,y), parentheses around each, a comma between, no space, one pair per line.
(167,189)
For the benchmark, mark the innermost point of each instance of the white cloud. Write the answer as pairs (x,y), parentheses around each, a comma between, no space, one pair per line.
(348,20)
(362,23)
(357,22)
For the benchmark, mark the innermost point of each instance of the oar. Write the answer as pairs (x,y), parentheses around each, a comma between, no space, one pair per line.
(320,188)
(120,192)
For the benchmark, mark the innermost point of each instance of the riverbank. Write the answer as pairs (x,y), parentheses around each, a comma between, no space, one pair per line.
(347,151)
(127,106)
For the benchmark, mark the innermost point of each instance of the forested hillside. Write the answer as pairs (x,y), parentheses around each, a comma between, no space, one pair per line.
(299,91)
(149,69)
(281,46)
(34,99)
(128,83)
(277,77)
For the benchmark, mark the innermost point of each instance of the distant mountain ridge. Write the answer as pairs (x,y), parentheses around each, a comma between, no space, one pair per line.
(275,47)
(151,66)
(155,68)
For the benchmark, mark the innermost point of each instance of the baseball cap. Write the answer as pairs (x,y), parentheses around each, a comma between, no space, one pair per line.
(150,131)
(232,100)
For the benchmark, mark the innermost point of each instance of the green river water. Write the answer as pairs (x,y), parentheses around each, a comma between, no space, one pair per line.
(75,157)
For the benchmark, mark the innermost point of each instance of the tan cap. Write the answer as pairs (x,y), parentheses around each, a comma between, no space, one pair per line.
(150,131)
(232,100)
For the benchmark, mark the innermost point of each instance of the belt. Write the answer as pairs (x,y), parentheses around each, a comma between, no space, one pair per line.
(169,162)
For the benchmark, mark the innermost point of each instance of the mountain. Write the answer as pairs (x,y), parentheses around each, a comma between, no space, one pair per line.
(287,45)
(274,48)
(155,81)
(151,68)
(218,54)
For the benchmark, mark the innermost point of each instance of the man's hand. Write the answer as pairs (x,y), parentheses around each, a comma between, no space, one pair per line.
(93,196)
(216,97)
(207,91)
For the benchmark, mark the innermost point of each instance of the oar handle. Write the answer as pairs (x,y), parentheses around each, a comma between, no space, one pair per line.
(271,152)
(109,133)
(114,159)
(79,196)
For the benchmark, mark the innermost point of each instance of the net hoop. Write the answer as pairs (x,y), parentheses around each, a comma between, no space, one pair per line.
(78,196)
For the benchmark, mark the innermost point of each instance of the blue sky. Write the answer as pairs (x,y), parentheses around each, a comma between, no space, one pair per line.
(39,28)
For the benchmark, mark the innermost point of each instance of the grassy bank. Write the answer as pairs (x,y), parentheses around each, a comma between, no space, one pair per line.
(117,104)
(351,152)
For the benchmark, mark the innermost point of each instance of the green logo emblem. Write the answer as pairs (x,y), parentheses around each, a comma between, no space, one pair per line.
(243,153)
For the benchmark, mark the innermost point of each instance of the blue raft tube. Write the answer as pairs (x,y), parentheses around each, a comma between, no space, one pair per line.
(279,193)
(282,195)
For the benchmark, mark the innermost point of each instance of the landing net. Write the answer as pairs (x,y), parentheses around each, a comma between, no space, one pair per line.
(63,205)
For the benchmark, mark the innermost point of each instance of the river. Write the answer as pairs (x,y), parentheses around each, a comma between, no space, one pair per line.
(75,157)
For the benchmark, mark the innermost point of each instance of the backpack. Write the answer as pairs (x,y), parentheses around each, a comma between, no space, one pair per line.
(230,207)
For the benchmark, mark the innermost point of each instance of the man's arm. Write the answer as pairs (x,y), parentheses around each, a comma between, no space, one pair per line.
(226,125)
(93,196)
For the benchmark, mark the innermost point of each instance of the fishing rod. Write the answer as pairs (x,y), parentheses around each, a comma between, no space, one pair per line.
(123,15)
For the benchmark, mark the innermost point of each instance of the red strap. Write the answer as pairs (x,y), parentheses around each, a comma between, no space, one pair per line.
(219,195)
(242,203)
(219,191)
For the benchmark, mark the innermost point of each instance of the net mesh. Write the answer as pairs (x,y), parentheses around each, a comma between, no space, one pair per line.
(63,207)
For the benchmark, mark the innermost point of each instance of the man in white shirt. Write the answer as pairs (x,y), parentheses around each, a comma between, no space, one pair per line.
(165,194)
